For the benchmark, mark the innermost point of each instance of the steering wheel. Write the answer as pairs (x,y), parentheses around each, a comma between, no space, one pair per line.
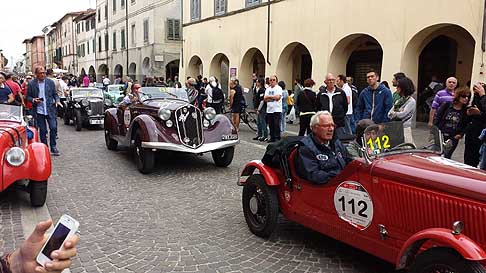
(402,145)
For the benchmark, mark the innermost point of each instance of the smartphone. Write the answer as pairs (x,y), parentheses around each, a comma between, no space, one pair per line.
(65,227)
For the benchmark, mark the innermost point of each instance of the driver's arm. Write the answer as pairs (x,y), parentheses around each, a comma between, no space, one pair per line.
(308,168)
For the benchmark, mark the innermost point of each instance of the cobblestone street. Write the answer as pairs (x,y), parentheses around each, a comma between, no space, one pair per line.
(185,217)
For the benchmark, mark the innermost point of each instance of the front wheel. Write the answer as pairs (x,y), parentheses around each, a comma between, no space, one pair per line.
(78,121)
(251,120)
(260,206)
(38,193)
(223,157)
(145,158)
(444,260)
(111,144)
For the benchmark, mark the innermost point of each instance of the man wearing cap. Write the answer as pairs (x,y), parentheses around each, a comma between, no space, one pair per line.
(42,93)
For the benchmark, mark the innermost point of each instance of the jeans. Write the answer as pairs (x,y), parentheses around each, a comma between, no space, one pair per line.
(347,126)
(340,132)
(274,125)
(354,122)
(448,152)
(51,120)
(482,152)
(283,125)
(262,125)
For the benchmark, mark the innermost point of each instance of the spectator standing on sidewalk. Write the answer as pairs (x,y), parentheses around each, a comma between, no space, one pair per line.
(476,122)
(15,88)
(375,101)
(28,104)
(307,103)
(42,93)
(443,96)
(334,100)
(6,95)
(396,77)
(404,108)
(273,97)
(237,102)
(262,132)
(343,84)
(285,107)
(355,99)
(298,88)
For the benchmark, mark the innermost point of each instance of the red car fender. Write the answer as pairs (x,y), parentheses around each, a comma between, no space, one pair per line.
(464,245)
(39,162)
(36,135)
(270,177)
(111,121)
(147,124)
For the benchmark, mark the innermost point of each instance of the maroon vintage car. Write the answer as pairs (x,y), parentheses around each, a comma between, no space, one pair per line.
(406,205)
(159,118)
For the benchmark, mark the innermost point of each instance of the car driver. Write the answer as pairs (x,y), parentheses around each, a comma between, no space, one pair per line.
(321,156)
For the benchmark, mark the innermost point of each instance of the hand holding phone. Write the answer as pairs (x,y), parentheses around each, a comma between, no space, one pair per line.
(65,228)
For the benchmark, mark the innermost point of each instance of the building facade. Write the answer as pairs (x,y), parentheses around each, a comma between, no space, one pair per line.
(138,38)
(28,54)
(85,28)
(299,39)
(35,53)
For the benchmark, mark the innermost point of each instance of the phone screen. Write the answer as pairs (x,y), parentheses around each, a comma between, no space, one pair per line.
(56,240)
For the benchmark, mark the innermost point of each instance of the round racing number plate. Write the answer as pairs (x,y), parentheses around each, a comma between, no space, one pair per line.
(353,204)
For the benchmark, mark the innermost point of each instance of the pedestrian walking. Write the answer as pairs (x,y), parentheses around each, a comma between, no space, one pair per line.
(273,97)
(285,107)
(42,93)
(334,100)
(403,109)
(86,81)
(342,83)
(451,119)
(262,132)
(307,103)
(375,101)
(237,102)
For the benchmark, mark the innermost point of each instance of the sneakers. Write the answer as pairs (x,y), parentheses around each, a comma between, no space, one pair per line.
(55,152)
(263,139)
(256,138)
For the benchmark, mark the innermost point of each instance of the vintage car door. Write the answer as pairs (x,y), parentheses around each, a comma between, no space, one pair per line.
(343,208)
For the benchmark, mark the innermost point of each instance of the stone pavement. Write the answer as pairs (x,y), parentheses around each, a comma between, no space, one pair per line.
(11,233)
(185,217)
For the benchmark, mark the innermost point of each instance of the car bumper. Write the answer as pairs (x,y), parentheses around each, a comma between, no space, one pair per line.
(180,148)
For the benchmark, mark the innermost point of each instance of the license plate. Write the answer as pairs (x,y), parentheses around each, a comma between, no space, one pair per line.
(96,121)
(229,137)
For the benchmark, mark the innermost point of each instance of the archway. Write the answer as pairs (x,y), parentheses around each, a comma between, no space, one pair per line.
(195,67)
(132,71)
(146,67)
(220,69)
(295,62)
(172,69)
(442,51)
(253,62)
(103,71)
(92,72)
(354,55)
(118,71)
(83,72)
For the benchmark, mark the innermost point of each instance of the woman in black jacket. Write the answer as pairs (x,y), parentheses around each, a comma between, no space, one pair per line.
(306,103)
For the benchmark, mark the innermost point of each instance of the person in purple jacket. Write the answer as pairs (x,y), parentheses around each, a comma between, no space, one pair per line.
(443,96)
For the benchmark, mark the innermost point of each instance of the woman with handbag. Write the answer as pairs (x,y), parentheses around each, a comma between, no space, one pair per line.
(404,108)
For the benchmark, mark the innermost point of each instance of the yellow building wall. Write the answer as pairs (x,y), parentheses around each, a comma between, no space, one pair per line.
(331,30)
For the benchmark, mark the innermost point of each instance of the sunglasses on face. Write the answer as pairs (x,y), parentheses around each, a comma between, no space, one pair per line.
(467,97)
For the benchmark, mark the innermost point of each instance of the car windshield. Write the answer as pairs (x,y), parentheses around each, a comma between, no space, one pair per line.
(89,92)
(388,138)
(10,112)
(116,88)
(148,93)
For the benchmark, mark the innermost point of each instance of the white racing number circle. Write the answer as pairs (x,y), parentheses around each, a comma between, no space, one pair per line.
(353,204)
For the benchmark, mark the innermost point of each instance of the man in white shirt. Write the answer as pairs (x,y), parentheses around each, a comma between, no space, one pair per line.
(106,81)
(343,84)
(273,97)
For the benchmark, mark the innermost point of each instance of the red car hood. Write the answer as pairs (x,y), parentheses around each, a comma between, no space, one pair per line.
(431,171)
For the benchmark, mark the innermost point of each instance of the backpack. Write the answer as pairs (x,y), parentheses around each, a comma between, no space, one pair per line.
(217,95)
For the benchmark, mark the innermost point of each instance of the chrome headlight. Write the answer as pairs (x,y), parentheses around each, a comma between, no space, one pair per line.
(169,123)
(209,113)
(165,114)
(15,156)
(108,102)
(85,102)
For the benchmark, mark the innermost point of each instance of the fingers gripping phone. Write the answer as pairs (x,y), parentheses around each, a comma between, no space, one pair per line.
(65,227)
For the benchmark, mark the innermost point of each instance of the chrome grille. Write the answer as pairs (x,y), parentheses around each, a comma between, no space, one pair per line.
(189,126)
(97,107)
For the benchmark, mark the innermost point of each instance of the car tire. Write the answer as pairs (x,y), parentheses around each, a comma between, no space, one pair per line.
(38,193)
(260,206)
(223,157)
(441,259)
(145,158)
(111,144)
(78,121)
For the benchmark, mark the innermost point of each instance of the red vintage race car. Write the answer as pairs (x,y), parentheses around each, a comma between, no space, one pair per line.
(408,206)
(26,162)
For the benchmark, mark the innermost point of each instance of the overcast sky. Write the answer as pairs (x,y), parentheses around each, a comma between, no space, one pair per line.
(23,19)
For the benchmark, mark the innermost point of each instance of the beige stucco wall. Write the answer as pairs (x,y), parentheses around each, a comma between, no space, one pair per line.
(326,28)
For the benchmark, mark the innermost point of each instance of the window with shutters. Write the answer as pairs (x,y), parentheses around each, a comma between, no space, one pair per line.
(114,41)
(99,15)
(219,7)
(134,36)
(106,12)
(114,6)
(195,10)
(93,23)
(145,30)
(250,3)
(106,42)
(173,29)
(99,44)
(87,45)
(122,37)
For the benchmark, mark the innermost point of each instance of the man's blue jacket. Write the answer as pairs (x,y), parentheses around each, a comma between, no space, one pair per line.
(374,104)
